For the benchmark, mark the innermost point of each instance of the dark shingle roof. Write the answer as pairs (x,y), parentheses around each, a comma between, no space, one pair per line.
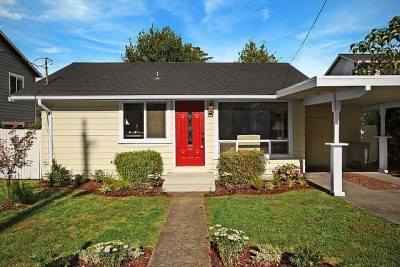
(102,79)
(356,57)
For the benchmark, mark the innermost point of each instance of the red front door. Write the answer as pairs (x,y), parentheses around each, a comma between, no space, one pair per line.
(189,121)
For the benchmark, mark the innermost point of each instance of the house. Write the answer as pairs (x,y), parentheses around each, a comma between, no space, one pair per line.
(191,112)
(95,110)
(345,64)
(16,72)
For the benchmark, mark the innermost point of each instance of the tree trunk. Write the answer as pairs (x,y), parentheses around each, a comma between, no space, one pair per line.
(9,191)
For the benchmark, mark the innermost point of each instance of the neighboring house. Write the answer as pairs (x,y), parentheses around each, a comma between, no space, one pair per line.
(16,72)
(99,109)
(345,64)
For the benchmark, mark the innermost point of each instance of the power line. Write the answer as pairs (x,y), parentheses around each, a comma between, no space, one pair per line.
(309,30)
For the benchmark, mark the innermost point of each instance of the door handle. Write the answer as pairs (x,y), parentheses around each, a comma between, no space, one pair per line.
(202,141)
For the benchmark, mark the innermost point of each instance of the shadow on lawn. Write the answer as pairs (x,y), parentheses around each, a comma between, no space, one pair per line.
(48,197)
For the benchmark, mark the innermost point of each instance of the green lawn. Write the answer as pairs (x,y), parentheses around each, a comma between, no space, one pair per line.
(64,221)
(342,232)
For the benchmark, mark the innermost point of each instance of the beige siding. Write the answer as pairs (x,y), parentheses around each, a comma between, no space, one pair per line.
(319,130)
(85,138)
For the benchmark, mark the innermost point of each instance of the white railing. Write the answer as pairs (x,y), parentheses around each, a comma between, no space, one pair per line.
(34,170)
(252,143)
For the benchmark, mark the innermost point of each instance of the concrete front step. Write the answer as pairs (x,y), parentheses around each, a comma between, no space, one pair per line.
(189,182)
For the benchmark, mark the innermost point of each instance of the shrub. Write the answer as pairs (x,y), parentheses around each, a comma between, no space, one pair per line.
(58,174)
(288,173)
(257,183)
(240,167)
(80,179)
(110,254)
(228,242)
(21,192)
(305,257)
(137,166)
(99,176)
(266,253)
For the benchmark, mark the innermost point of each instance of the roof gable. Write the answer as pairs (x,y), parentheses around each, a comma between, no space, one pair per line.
(354,58)
(16,50)
(108,79)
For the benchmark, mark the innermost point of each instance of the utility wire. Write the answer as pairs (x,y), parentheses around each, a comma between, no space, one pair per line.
(309,30)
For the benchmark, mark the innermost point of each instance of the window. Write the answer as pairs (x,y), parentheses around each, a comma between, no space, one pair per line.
(144,122)
(16,83)
(269,120)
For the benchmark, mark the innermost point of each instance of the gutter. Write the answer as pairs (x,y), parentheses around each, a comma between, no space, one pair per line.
(50,131)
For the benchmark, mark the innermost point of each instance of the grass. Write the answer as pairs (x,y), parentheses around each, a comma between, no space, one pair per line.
(64,221)
(342,232)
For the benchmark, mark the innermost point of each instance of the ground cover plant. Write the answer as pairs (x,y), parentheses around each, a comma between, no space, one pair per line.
(64,221)
(293,221)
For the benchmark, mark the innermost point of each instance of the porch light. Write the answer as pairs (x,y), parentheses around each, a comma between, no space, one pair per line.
(211,110)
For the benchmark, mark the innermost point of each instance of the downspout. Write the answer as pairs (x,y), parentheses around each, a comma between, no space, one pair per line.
(49,130)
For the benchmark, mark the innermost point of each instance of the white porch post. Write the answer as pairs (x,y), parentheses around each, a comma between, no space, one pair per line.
(336,151)
(383,155)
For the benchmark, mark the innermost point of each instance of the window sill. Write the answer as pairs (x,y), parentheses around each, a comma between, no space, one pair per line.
(144,141)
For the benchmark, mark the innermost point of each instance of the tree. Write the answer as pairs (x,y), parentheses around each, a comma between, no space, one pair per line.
(251,53)
(13,156)
(383,47)
(162,46)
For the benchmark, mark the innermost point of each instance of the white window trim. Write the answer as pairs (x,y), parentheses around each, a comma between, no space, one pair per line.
(17,76)
(274,156)
(165,140)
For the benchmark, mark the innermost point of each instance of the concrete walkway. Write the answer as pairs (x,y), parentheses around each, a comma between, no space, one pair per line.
(183,240)
(382,202)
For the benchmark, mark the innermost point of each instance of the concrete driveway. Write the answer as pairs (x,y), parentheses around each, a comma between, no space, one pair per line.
(385,203)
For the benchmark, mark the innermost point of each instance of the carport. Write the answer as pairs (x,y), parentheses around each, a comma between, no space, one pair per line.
(364,92)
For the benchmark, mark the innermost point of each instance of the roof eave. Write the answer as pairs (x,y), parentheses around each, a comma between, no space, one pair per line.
(146,97)
(345,81)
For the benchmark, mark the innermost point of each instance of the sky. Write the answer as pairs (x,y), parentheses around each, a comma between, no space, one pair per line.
(69,31)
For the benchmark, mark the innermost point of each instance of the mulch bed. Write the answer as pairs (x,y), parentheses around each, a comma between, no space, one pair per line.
(246,260)
(369,182)
(13,206)
(221,190)
(94,188)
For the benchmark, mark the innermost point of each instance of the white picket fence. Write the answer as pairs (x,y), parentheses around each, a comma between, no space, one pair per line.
(34,170)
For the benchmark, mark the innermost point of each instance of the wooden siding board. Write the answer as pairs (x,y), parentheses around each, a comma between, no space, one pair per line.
(23,111)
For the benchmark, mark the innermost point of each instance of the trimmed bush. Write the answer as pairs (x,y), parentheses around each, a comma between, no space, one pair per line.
(241,167)
(138,166)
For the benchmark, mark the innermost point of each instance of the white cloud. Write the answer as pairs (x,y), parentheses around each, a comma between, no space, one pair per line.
(209,7)
(5,12)
(70,10)
(10,15)
(265,14)
(50,50)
